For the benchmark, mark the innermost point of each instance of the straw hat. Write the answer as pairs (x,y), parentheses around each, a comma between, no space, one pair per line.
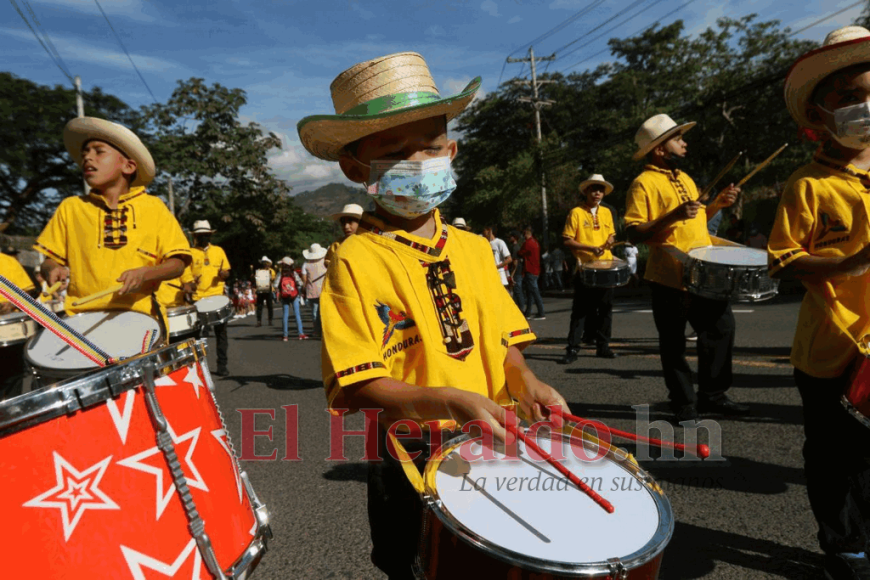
(841,49)
(460,223)
(655,131)
(265,259)
(597,178)
(202,227)
(83,129)
(376,95)
(350,210)
(286,260)
(315,252)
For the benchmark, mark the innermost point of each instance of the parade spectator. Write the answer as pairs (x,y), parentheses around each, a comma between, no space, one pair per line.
(530,252)
(500,254)
(516,272)
(290,293)
(557,267)
(263,278)
(313,273)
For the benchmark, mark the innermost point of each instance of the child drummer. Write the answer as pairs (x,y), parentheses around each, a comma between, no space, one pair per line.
(117,233)
(663,211)
(415,319)
(821,236)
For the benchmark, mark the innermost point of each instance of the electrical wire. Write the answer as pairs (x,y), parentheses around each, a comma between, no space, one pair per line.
(124,48)
(631,6)
(53,56)
(828,17)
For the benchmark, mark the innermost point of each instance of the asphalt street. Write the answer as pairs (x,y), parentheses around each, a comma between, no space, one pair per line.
(746,516)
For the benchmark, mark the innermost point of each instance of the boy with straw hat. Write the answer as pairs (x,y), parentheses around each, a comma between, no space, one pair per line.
(348,218)
(117,233)
(821,236)
(663,212)
(589,233)
(411,303)
(211,269)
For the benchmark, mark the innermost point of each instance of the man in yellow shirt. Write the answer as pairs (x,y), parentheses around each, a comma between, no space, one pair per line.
(663,212)
(175,292)
(12,368)
(589,232)
(416,321)
(821,236)
(211,268)
(115,233)
(348,219)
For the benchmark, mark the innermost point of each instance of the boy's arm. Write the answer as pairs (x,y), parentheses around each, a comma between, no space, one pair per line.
(134,279)
(809,268)
(532,394)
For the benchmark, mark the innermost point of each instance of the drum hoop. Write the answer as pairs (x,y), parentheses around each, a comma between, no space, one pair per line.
(93,387)
(180,310)
(13,318)
(647,553)
(617,265)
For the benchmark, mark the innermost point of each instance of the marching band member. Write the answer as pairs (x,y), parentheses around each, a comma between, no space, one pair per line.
(589,232)
(12,370)
(175,292)
(348,218)
(115,233)
(210,269)
(821,236)
(415,318)
(663,212)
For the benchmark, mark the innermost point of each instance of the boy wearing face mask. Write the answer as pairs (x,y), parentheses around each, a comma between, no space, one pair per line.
(415,319)
(821,236)
(663,212)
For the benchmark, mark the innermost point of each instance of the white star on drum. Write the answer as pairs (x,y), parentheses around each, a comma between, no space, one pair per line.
(193,378)
(75,490)
(137,560)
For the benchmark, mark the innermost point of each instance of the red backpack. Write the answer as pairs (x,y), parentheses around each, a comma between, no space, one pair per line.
(288,287)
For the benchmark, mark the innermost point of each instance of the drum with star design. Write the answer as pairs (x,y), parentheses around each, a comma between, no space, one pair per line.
(126,472)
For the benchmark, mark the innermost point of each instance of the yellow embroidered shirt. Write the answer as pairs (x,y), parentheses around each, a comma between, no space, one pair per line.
(13,271)
(99,244)
(171,292)
(429,312)
(824,211)
(206,265)
(652,194)
(591,229)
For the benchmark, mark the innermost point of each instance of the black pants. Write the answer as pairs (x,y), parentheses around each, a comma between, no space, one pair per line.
(837,465)
(261,298)
(714,323)
(220,333)
(592,310)
(12,371)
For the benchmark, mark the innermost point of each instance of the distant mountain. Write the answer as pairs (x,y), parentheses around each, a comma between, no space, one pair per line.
(329,199)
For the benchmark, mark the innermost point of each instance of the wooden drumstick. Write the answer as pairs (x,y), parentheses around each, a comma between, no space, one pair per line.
(97,295)
(53,288)
(705,194)
(762,165)
(701,450)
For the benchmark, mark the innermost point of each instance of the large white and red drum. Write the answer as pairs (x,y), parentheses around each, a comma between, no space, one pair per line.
(87,493)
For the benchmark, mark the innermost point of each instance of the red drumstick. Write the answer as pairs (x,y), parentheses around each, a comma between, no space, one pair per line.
(700,450)
(608,507)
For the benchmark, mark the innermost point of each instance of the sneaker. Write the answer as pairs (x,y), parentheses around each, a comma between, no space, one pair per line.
(570,356)
(723,406)
(845,566)
(693,336)
(605,352)
(284,339)
(222,372)
(303,337)
(539,317)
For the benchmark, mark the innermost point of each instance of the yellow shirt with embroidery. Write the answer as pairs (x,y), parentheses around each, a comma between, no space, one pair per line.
(171,292)
(13,271)
(380,317)
(99,244)
(652,194)
(825,211)
(206,265)
(589,229)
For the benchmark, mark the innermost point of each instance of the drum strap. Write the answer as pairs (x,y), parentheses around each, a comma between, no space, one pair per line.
(411,471)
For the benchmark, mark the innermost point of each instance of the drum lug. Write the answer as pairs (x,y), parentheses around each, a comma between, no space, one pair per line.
(618,571)
(260,510)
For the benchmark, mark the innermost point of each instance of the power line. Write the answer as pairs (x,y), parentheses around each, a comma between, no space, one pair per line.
(45,35)
(611,19)
(828,17)
(124,48)
(54,56)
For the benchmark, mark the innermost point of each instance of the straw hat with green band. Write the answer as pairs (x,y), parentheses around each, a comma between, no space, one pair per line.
(376,95)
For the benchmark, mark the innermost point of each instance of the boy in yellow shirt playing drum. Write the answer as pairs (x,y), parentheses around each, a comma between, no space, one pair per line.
(821,236)
(415,319)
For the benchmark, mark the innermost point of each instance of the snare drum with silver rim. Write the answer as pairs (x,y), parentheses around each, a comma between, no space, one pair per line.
(60,495)
(732,273)
(119,333)
(16,328)
(522,519)
(605,273)
(183,321)
(214,310)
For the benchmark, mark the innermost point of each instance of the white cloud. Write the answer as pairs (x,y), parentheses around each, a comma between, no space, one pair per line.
(292,163)
(514,20)
(490,7)
(132,9)
(363,13)
(453,86)
(435,31)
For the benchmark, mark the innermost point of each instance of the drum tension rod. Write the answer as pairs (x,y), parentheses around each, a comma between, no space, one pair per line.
(617,569)
(164,442)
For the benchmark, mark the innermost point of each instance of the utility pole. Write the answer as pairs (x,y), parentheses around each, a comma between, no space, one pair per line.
(538,103)
(171,198)
(80,107)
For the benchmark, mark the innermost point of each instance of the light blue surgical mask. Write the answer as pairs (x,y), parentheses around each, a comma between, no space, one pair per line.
(410,189)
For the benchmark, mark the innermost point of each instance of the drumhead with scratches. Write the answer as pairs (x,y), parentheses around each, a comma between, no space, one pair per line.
(730,255)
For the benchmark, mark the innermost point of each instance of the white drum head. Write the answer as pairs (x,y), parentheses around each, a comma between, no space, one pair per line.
(118,333)
(614,264)
(730,255)
(532,513)
(211,303)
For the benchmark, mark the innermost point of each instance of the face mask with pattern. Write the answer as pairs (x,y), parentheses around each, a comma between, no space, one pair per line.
(410,189)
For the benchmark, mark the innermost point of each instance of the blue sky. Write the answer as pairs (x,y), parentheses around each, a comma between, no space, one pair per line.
(285,54)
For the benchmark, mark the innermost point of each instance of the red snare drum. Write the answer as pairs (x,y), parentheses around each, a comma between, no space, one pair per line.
(856,399)
(87,492)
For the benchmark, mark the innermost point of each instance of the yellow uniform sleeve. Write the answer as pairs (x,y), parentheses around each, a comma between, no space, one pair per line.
(637,210)
(52,242)
(171,241)
(222,261)
(572,224)
(792,227)
(15,273)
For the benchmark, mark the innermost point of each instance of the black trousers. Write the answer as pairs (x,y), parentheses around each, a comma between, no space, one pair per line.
(592,311)
(12,370)
(261,298)
(714,323)
(220,334)
(837,465)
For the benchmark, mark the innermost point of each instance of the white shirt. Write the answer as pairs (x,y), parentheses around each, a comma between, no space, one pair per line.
(500,253)
(631,258)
